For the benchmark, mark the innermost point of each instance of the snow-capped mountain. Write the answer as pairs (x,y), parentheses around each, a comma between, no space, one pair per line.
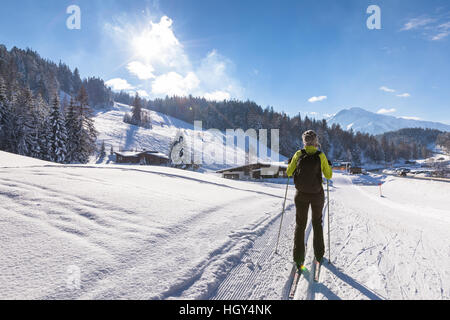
(365,121)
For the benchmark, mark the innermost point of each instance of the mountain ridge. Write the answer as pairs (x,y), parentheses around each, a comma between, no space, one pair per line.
(366,121)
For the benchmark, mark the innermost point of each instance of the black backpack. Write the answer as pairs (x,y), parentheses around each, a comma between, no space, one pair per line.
(308,174)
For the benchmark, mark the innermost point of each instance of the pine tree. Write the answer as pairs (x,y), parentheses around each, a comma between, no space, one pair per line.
(28,124)
(137,110)
(73,128)
(356,155)
(44,131)
(3,110)
(58,135)
(9,120)
(103,150)
(33,122)
(22,124)
(86,135)
(76,80)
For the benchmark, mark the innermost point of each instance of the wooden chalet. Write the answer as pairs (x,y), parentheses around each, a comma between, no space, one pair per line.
(259,170)
(154,158)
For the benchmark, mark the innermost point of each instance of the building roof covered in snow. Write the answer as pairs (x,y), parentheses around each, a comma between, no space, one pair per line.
(134,154)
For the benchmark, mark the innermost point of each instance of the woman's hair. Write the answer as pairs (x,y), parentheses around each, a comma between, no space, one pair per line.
(310,138)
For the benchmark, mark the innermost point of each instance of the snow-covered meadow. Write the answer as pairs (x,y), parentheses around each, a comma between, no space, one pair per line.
(130,232)
(133,232)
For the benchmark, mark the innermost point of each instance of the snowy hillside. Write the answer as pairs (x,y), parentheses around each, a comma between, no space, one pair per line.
(143,232)
(132,232)
(368,122)
(113,131)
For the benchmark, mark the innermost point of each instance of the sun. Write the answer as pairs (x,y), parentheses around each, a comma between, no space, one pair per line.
(156,42)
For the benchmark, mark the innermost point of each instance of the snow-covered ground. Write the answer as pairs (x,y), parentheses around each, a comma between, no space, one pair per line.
(133,232)
(130,231)
(122,136)
(393,247)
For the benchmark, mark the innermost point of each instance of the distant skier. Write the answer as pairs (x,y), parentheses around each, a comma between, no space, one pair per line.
(307,166)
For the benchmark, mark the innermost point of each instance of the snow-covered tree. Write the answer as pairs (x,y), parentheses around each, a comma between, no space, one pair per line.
(28,124)
(137,110)
(3,109)
(58,135)
(73,128)
(43,112)
(85,135)
(103,150)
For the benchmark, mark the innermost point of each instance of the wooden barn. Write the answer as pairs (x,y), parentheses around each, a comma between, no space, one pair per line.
(355,170)
(255,171)
(154,158)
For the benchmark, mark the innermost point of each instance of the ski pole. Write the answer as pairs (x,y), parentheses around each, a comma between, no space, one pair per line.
(282,215)
(328,199)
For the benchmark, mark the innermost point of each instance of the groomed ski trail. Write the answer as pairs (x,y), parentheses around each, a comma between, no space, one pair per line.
(259,275)
(380,248)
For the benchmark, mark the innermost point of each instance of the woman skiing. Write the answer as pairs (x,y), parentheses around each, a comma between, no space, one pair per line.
(307,166)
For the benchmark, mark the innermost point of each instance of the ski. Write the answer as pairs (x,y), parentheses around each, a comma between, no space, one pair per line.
(317,266)
(297,274)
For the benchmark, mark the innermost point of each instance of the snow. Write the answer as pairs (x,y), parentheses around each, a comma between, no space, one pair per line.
(145,232)
(134,232)
(122,136)
(365,121)
(10,160)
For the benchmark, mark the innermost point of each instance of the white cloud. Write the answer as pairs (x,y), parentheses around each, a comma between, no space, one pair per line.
(386,89)
(384,111)
(443,31)
(173,83)
(142,71)
(118,84)
(416,23)
(440,35)
(143,93)
(158,46)
(404,95)
(317,99)
(432,28)
(159,58)
(215,72)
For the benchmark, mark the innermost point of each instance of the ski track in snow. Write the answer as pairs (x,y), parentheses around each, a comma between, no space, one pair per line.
(134,233)
(375,254)
(378,253)
(151,233)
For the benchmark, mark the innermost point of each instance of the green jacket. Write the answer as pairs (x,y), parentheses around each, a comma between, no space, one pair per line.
(326,169)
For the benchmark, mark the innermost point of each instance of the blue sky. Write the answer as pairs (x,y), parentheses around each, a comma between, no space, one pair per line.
(298,56)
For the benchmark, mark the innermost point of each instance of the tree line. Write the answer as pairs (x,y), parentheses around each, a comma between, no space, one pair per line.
(58,132)
(31,83)
(337,143)
(27,69)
